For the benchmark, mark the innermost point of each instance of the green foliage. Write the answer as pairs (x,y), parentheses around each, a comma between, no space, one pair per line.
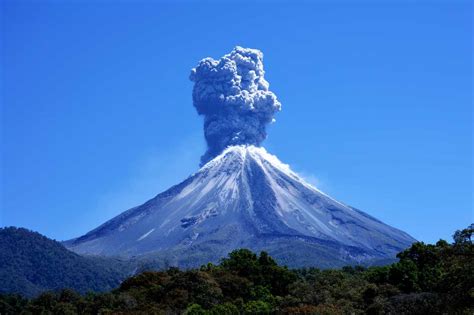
(261,270)
(12,304)
(31,263)
(257,307)
(219,309)
(195,309)
(224,309)
(427,279)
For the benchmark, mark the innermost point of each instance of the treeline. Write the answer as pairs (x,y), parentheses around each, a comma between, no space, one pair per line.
(428,279)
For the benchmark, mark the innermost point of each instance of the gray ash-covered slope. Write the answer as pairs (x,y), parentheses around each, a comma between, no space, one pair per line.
(245,198)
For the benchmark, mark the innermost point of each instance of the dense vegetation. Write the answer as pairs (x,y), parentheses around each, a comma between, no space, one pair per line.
(428,279)
(30,263)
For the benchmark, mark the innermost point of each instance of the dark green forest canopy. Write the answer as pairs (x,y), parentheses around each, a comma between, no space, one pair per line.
(31,263)
(427,279)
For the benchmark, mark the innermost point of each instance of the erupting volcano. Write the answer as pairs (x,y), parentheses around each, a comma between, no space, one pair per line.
(242,196)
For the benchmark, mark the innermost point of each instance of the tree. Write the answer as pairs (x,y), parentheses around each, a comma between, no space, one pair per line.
(257,307)
(243,262)
(195,309)
(464,236)
(224,309)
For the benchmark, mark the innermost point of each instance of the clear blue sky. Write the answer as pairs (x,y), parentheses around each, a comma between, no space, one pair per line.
(97,114)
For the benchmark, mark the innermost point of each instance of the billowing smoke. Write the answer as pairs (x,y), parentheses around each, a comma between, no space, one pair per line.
(233,96)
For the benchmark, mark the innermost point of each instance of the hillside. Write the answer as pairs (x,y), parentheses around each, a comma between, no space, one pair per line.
(428,279)
(32,263)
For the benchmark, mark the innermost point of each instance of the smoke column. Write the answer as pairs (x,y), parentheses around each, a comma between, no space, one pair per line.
(233,96)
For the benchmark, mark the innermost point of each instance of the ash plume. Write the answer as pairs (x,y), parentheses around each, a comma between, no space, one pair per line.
(233,96)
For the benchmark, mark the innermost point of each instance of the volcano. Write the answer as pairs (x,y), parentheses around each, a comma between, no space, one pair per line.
(242,196)
(245,198)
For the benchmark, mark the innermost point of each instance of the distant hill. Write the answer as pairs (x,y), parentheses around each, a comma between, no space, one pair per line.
(31,263)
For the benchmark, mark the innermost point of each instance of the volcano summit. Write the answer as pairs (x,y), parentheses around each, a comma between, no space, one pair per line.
(242,196)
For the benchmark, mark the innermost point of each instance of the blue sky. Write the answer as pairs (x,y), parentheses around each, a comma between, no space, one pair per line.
(97,114)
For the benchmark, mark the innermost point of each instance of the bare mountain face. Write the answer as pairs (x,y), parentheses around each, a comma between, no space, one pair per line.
(245,198)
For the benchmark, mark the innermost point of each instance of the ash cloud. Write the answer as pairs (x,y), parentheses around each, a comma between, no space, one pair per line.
(234,98)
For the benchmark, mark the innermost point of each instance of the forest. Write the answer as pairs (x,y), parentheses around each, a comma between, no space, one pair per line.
(427,279)
(31,263)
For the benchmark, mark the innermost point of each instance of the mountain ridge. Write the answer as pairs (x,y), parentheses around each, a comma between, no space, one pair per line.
(32,263)
(244,197)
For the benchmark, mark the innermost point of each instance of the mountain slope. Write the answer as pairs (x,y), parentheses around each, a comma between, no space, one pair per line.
(245,197)
(31,263)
